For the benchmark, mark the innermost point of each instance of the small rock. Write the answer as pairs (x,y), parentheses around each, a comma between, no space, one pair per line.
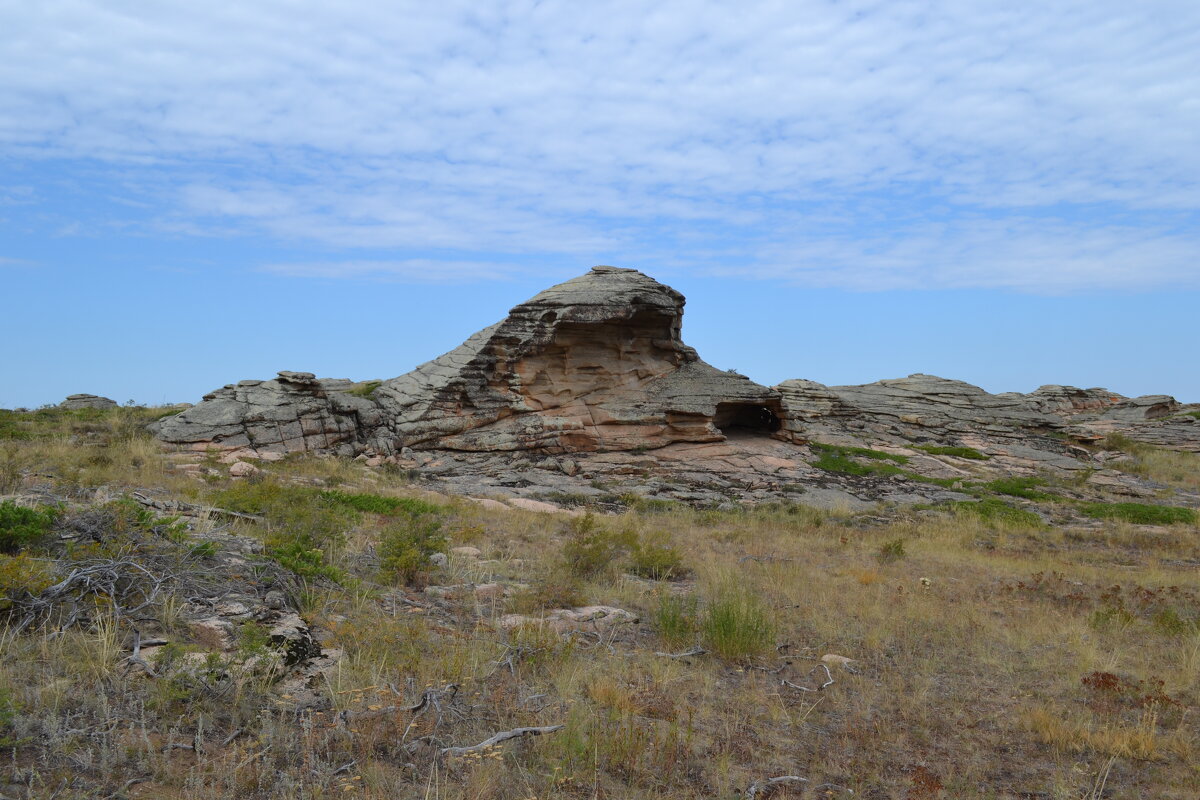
(240,469)
(491,505)
(213,633)
(832,659)
(77,401)
(489,591)
(527,504)
(466,551)
(232,608)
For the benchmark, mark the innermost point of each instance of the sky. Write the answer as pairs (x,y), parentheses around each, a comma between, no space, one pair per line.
(196,193)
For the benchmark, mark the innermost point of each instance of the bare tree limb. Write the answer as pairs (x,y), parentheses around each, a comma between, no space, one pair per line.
(695,651)
(828,682)
(499,738)
(767,786)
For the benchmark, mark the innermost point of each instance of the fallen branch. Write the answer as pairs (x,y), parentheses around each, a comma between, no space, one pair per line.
(828,682)
(695,651)
(766,786)
(190,509)
(499,738)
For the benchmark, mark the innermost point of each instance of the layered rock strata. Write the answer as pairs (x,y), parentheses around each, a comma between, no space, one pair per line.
(596,363)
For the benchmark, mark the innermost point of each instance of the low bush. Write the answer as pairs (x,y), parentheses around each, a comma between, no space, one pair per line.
(590,550)
(304,526)
(676,619)
(22,527)
(364,389)
(406,544)
(736,623)
(378,504)
(653,557)
(890,551)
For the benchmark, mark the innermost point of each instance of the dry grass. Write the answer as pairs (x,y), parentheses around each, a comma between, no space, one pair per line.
(975,654)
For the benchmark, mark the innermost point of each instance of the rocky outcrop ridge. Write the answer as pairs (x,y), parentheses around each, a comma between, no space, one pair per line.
(596,363)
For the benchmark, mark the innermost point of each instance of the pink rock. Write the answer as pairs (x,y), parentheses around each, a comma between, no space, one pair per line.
(489,591)
(240,469)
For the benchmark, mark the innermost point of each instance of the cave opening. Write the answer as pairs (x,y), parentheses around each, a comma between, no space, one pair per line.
(745,418)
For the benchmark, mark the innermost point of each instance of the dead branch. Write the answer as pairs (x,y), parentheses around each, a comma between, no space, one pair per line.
(828,682)
(695,651)
(190,509)
(767,786)
(499,738)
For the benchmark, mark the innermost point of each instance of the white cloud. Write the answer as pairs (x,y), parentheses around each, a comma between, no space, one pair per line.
(780,137)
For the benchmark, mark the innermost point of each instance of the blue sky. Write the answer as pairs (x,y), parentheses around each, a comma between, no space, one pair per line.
(195,193)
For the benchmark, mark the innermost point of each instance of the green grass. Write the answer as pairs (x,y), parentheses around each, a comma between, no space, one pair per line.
(378,504)
(1139,513)
(995,510)
(1025,487)
(862,452)
(960,452)
(364,389)
(22,527)
(737,624)
(676,619)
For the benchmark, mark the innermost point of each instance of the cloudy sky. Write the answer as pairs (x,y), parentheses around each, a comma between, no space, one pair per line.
(193,193)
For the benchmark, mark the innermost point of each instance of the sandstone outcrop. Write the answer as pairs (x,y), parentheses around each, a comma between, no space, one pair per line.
(589,384)
(74,402)
(596,363)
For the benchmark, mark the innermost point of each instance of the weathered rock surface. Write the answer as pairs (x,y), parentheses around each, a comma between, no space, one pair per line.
(74,402)
(596,363)
(587,391)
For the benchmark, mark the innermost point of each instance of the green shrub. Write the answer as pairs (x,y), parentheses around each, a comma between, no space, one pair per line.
(676,619)
(298,556)
(590,550)
(1025,487)
(304,526)
(953,450)
(653,557)
(891,550)
(1139,513)
(736,624)
(364,389)
(406,544)
(995,510)
(559,589)
(8,716)
(378,504)
(22,527)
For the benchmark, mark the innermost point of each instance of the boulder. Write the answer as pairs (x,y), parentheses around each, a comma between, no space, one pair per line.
(74,402)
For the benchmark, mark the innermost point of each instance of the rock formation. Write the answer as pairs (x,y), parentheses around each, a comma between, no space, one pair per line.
(74,402)
(589,382)
(596,363)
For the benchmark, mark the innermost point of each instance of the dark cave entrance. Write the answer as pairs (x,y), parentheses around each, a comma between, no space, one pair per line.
(734,419)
